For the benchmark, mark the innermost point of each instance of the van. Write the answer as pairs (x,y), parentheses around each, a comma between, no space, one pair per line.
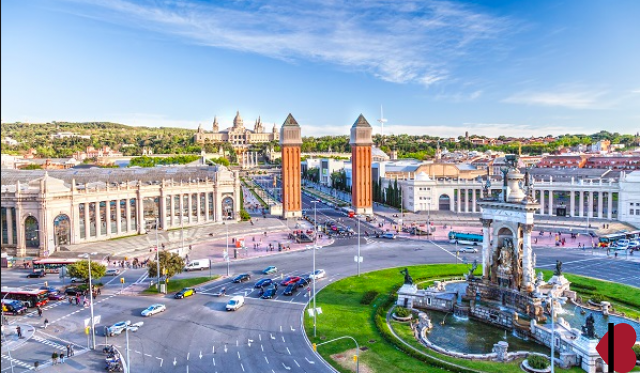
(13,307)
(198,264)
(235,303)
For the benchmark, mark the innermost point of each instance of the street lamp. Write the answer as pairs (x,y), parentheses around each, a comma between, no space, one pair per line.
(315,223)
(561,300)
(93,333)
(358,258)
(227,251)
(158,257)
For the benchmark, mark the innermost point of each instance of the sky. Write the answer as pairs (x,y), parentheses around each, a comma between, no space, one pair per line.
(440,68)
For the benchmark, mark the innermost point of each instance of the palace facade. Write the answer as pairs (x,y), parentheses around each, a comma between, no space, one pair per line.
(238,135)
(43,211)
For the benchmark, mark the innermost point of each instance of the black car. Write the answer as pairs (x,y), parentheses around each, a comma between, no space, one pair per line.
(242,278)
(36,274)
(264,282)
(291,288)
(302,282)
(72,292)
(269,293)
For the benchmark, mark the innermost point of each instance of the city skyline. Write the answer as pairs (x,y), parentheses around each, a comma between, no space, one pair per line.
(438,68)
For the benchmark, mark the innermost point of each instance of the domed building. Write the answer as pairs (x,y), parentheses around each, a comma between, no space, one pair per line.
(238,135)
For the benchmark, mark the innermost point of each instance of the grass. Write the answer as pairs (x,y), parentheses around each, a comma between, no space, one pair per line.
(623,298)
(177,285)
(343,314)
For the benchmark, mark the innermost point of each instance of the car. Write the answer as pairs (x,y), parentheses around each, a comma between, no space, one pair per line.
(56,295)
(291,288)
(263,282)
(388,235)
(290,280)
(269,293)
(36,274)
(186,292)
(112,272)
(72,291)
(117,328)
(269,270)
(468,250)
(318,274)
(242,277)
(153,309)
(79,280)
(235,303)
(302,282)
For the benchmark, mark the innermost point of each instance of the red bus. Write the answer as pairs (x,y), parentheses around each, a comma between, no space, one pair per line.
(30,298)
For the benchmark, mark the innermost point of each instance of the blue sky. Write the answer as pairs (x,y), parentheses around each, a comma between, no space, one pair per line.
(515,68)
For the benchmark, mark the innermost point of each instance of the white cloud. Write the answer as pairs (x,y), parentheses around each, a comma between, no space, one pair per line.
(413,41)
(568,99)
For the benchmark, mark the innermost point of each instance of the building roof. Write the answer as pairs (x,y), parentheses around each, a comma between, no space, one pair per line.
(290,121)
(361,122)
(565,174)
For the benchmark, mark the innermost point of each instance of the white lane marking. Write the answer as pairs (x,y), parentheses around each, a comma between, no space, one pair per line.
(280,328)
(225,348)
(260,337)
(239,355)
(288,351)
(296,363)
(188,354)
(161,361)
(147,355)
(214,361)
(286,367)
(309,361)
(292,329)
(272,337)
(236,343)
(283,338)
(267,360)
(200,354)
(175,361)
(242,366)
(262,348)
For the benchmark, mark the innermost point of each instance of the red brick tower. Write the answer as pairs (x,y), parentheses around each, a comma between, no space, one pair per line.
(290,141)
(361,186)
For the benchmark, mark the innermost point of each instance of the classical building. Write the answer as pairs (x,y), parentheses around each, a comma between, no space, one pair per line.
(42,211)
(238,135)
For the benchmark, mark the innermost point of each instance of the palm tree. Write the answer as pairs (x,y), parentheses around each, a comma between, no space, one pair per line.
(170,264)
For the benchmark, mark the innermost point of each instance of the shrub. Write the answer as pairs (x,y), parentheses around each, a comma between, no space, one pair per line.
(636,349)
(597,298)
(368,297)
(537,362)
(402,312)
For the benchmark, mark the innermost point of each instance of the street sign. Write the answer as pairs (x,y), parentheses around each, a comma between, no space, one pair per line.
(96,320)
(355,259)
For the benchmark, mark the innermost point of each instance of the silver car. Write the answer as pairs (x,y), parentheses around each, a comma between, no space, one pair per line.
(153,309)
(468,250)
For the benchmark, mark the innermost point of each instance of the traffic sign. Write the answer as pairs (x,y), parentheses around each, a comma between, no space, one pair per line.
(355,259)
(96,320)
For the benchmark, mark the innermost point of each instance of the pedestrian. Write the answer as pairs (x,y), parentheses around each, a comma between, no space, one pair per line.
(68,350)
(62,358)
(46,323)
(19,331)
(73,352)
(39,311)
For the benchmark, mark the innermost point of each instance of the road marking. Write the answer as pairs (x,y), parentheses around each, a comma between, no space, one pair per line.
(137,352)
(283,338)
(239,355)
(161,361)
(242,366)
(236,343)
(213,349)
(272,337)
(309,361)
(280,328)
(288,351)
(225,348)
(262,348)
(267,360)
(292,329)
(214,361)
(286,367)
(188,354)
(175,362)
(200,354)
(147,355)
(296,363)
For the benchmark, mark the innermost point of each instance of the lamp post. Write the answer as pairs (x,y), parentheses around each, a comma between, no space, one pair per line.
(561,300)
(227,251)
(315,247)
(93,333)
(428,216)
(158,258)
(358,259)
(2,330)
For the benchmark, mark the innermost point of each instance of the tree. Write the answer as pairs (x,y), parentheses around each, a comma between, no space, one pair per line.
(170,264)
(81,269)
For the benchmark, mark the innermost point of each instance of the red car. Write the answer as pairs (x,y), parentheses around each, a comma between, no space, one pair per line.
(290,280)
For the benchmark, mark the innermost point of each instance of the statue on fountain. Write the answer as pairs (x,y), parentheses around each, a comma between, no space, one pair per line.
(470,275)
(558,271)
(588,329)
(407,279)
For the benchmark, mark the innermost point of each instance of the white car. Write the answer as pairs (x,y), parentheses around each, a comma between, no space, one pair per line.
(153,309)
(117,328)
(468,250)
(318,274)
(634,244)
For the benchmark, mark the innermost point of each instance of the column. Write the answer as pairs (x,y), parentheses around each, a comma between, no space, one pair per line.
(127,210)
(189,207)
(181,209)
(600,194)
(459,207)
(206,206)
(542,202)
(118,217)
(466,200)
(108,216)
(140,214)
(87,222)
(486,241)
(198,219)
(10,211)
(172,205)
(572,203)
(528,272)
(473,200)
(98,218)
(590,205)
(550,212)
(581,203)
(609,205)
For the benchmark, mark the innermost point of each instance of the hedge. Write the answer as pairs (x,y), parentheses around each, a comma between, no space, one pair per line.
(368,297)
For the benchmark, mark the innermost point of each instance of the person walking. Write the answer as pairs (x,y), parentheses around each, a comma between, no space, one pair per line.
(62,358)
(46,323)
(68,350)
(19,331)
(39,311)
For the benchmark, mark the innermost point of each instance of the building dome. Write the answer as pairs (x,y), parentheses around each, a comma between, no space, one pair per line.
(422,176)
(237,121)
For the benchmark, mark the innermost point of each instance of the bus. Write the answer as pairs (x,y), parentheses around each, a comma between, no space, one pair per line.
(609,240)
(465,238)
(30,298)
(52,265)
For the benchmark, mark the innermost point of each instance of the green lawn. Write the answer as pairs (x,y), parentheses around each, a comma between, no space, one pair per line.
(343,314)
(177,285)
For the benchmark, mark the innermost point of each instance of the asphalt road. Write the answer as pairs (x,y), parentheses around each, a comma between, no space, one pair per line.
(196,334)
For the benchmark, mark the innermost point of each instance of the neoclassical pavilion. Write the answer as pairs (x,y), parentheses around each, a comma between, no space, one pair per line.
(42,211)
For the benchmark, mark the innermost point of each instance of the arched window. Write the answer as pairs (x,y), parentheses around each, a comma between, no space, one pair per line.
(62,230)
(227,208)
(31,232)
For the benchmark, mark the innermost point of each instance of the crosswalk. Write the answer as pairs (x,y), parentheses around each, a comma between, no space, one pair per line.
(50,343)
(17,362)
